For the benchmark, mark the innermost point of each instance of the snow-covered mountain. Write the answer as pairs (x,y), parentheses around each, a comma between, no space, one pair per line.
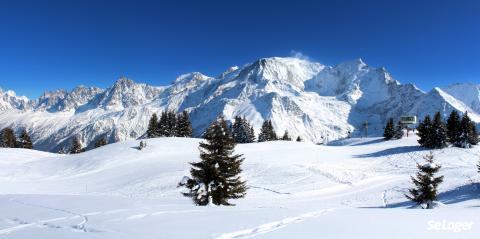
(317,102)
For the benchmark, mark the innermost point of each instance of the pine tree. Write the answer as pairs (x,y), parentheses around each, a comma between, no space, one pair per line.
(215,178)
(299,139)
(100,142)
(398,131)
(24,141)
(8,138)
(438,134)
(389,131)
(163,130)
(171,124)
(267,133)
(286,136)
(76,146)
(424,131)
(184,127)
(242,131)
(426,184)
(453,128)
(152,130)
(468,132)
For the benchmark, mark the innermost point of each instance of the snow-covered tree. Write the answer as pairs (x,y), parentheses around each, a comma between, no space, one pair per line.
(425,191)
(100,142)
(152,130)
(76,146)
(215,178)
(8,138)
(453,128)
(267,133)
(24,140)
(286,136)
(468,132)
(389,130)
(184,126)
(163,125)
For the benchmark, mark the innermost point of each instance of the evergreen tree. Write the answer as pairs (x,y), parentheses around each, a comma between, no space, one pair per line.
(8,138)
(215,178)
(184,127)
(423,131)
(76,146)
(171,124)
(286,136)
(242,131)
(438,132)
(267,133)
(24,141)
(389,131)
(101,142)
(453,128)
(398,131)
(152,130)
(426,184)
(299,139)
(468,132)
(163,130)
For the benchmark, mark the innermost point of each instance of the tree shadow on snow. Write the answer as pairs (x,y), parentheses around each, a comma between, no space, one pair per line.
(391,151)
(461,194)
(375,141)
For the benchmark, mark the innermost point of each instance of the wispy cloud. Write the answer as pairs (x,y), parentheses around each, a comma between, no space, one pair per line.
(299,55)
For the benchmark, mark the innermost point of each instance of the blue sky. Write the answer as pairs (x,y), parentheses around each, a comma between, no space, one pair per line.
(45,45)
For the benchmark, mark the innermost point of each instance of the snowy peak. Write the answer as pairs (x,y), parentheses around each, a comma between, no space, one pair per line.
(10,100)
(126,93)
(467,93)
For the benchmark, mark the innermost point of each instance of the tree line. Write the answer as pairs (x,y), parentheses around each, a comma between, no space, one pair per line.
(436,133)
(8,139)
(169,125)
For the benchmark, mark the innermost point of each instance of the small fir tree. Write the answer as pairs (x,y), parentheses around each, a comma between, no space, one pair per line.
(142,145)
(8,138)
(242,131)
(424,131)
(286,136)
(152,130)
(215,178)
(389,131)
(267,133)
(425,191)
(468,132)
(398,131)
(24,141)
(100,142)
(438,132)
(76,146)
(299,139)
(453,128)
(163,130)
(184,126)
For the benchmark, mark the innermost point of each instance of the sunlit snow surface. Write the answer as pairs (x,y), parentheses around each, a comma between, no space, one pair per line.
(353,189)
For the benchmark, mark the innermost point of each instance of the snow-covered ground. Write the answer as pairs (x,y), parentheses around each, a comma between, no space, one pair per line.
(350,189)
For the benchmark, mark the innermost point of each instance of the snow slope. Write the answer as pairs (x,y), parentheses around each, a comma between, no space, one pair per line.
(299,190)
(317,102)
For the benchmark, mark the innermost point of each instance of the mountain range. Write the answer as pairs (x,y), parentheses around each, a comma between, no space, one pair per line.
(317,102)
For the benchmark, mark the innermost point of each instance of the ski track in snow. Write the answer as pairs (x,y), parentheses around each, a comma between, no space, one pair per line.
(23,224)
(272,226)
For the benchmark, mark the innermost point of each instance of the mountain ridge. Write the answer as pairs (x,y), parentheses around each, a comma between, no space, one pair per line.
(317,102)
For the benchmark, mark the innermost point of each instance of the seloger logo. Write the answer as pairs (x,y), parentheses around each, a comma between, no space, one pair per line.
(454,226)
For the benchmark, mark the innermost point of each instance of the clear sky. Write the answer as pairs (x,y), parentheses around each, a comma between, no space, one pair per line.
(45,45)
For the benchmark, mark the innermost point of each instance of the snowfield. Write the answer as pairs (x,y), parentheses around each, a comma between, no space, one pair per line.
(349,189)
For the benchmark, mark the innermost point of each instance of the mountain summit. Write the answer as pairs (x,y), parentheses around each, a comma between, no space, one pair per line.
(311,100)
